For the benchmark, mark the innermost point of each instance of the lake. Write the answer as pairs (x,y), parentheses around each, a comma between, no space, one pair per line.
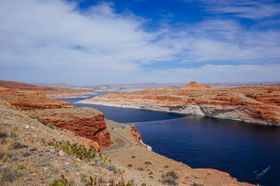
(251,153)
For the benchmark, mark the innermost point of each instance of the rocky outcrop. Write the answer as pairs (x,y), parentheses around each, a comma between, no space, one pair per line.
(193,85)
(258,104)
(32,99)
(135,134)
(84,122)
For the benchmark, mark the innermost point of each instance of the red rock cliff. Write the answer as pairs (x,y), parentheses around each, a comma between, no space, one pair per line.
(32,99)
(84,122)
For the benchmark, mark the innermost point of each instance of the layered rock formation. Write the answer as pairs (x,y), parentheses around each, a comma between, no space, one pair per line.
(45,90)
(32,99)
(85,122)
(136,134)
(254,104)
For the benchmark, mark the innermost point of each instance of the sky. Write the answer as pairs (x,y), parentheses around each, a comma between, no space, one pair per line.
(87,42)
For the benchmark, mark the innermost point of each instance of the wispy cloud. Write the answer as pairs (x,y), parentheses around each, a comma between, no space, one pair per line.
(240,8)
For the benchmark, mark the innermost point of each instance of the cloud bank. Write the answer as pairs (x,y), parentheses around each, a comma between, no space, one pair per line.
(54,41)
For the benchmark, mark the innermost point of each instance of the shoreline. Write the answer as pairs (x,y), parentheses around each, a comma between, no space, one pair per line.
(86,101)
(137,156)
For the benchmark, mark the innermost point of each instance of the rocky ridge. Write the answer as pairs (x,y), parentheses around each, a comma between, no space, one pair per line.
(252,104)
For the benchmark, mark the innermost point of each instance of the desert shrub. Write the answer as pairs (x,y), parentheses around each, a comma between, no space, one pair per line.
(148,163)
(133,156)
(112,167)
(140,168)
(122,182)
(17,145)
(97,180)
(169,178)
(9,175)
(5,156)
(93,181)
(196,184)
(79,151)
(3,135)
(62,181)
(171,174)
(21,166)
(13,135)
(129,165)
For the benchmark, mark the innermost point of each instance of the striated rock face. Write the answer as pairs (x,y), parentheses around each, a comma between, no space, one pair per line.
(136,134)
(85,122)
(254,104)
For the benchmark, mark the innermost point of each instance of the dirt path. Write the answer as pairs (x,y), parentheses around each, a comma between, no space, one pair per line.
(119,141)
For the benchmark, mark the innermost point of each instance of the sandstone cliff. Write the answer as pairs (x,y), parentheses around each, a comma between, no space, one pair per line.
(32,99)
(85,122)
(258,104)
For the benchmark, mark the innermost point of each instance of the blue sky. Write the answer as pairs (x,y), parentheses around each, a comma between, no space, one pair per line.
(128,41)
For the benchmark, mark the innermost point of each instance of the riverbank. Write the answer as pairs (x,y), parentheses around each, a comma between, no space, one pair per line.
(259,104)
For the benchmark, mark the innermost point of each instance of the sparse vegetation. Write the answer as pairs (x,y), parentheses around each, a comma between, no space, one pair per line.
(196,184)
(98,181)
(170,178)
(17,145)
(22,166)
(9,175)
(62,181)
(79,151)
(4,156)
(3,135)
(148,163)
(111,167)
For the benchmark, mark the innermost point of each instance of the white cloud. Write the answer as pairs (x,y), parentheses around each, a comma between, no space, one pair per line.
(52,41)
(250,11)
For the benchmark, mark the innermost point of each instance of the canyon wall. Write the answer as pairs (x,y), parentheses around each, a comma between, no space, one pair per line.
(253,104)
(33,100)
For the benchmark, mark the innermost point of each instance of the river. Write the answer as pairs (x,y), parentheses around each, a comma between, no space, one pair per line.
(249,152)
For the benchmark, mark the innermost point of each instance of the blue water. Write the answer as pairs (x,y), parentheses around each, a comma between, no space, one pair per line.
(234,147)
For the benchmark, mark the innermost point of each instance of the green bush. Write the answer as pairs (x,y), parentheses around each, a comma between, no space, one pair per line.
(62,182)
(79,151)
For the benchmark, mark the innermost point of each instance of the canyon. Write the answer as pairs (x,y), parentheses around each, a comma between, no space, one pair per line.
(33,122)
(251,104)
